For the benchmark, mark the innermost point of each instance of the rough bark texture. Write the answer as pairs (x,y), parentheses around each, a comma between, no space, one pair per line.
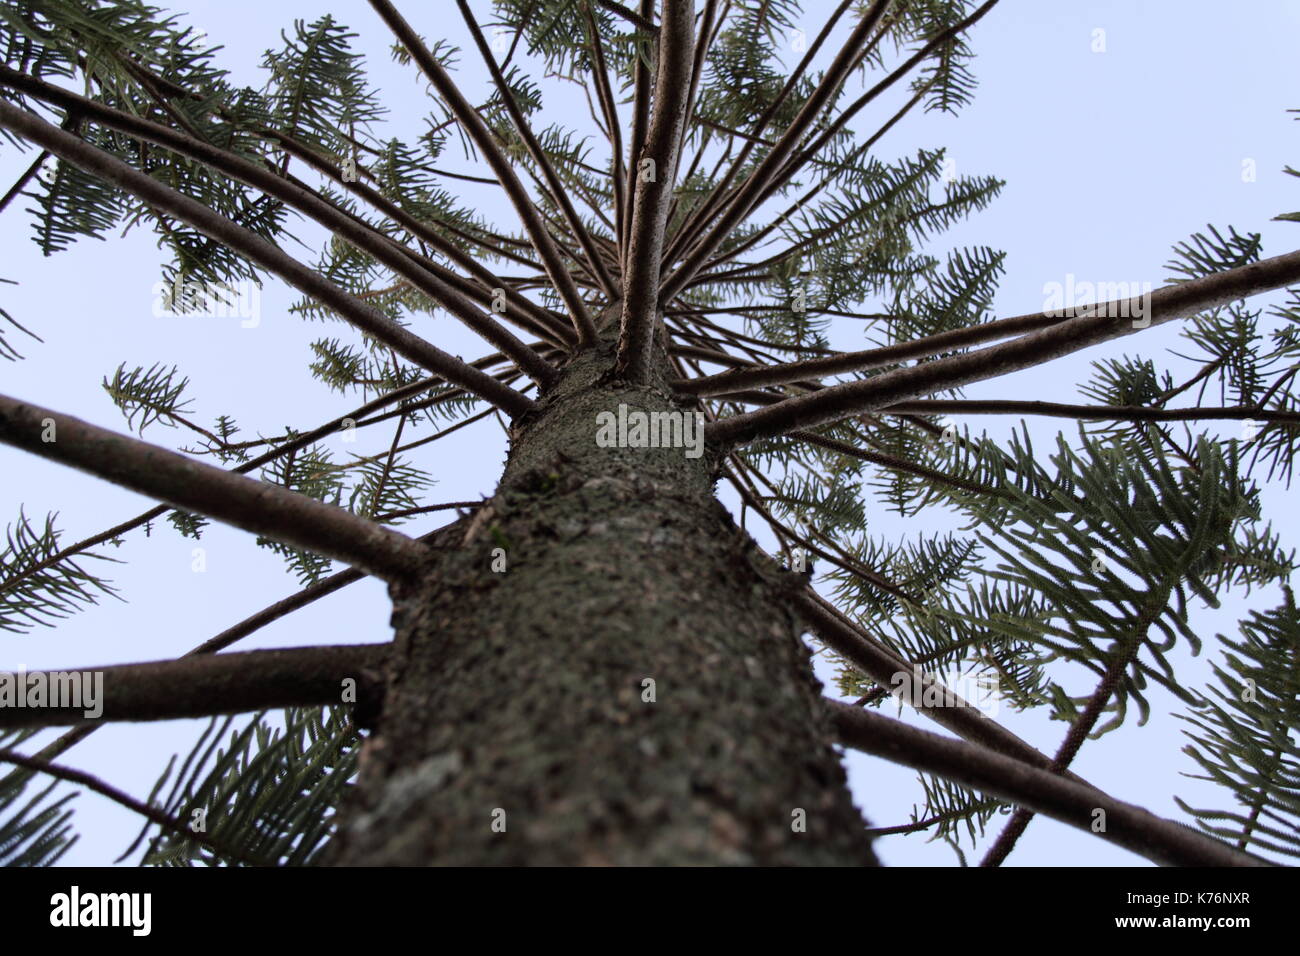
(517,697)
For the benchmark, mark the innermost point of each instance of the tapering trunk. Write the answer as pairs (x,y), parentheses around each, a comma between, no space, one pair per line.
(629,688)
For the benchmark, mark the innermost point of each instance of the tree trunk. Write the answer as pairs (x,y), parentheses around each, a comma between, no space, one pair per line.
(630,689)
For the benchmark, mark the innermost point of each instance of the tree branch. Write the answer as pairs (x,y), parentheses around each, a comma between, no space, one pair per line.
(501,166)
(294,444)
(701,217)
(530,315)
(90,782)
(99,163)
(654,193)
(1126,825)
(23,180)
(351,228)
(254,623)
(1098,324)
(640,119)
(893,462)
(760,235)
(605,93)
(631,16)
(1123,655)
(746,196)
(204,685)
(883,665)
(817,145)
(324,166)
(255,506)
(1132,413)
(553,184)
(864,360)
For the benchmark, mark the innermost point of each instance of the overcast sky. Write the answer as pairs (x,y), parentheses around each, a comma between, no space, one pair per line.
(1120,128)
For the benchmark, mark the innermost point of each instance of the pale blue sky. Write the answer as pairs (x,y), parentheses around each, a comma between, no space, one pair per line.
(1109,157)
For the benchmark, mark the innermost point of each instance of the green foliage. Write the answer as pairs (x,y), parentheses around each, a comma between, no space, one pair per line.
(1243,735)
(311,472)
(38,831)
(317,91)
(947,75)
(951,298)
(7,351)
(1118,548)
(1277,443)
(954,808)
(401,175)
(133,58)
(147,395)
(744,76)
(1093,564)
(74,203)
(39,588)
(267,797)
(1204,255)
(387,485)
(813,501)
(553,31)
(189,525)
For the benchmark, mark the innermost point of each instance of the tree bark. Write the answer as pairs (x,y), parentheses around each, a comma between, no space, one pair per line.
(517,726)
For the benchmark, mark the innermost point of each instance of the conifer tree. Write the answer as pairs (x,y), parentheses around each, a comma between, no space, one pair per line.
(598,662)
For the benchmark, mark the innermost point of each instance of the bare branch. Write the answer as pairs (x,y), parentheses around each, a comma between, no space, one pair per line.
(609,107)
(707,355)
(655,171)
(701,217)
(99,163)
(204,685)
(1131,413)
(639,20)
(640,120)
(1097,324)
(553,184)
(747,195)
(501,166)
(1126,825)
(351,228)
(710,24)
(255,506)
